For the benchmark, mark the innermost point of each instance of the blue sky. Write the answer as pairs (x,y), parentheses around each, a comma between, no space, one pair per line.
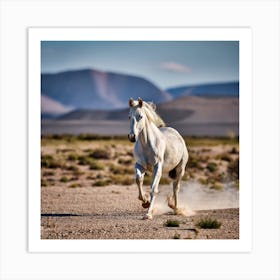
(164,63)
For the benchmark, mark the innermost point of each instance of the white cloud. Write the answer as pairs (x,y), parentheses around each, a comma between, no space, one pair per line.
(175,67)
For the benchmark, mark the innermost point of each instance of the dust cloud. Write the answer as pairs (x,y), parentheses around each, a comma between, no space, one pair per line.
(194,196)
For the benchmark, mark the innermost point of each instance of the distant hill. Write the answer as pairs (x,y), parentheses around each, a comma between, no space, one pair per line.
(229,89)
(187,109)
(91,89)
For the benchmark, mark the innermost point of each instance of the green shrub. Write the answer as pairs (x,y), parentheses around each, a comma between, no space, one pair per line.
(74,185)
(125,160)
(48,161)
(118,169)
(224,157)
(85,160)
(100,154)
(72,168)
(43,183)
(73,157)
(64,179)
(216,186)
(208,223)
(203,181)
(101,183)
(94,165)
(172,223)
(176,236)
(211,166)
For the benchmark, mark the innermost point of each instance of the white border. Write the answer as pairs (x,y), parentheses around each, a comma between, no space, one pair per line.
(243,35)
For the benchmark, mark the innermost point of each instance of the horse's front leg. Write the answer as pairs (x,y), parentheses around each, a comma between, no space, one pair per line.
(139,177)
(154,189)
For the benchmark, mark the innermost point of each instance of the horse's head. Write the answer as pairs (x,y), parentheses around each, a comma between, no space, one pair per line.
(136,117)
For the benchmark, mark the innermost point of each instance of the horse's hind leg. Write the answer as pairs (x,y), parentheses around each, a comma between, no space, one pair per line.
(139,176)
(180,170)
(176,188)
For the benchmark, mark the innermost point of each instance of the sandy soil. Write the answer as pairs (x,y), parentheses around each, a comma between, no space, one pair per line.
(114,212)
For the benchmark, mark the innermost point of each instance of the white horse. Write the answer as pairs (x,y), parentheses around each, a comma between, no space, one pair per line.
(157,149)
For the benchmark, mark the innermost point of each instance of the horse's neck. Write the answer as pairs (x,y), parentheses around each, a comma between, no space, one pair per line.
(149,134)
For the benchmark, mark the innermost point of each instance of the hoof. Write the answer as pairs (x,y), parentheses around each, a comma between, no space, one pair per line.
(170,203)
(148,217)
(146,204)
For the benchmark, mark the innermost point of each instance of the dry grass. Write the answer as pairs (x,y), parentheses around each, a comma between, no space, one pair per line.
(93,160)
(209,223)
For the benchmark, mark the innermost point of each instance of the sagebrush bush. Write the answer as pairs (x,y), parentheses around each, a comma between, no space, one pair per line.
(100,154)
(209,223)
(48,161)
(101,183)
(212,166)
(172,223)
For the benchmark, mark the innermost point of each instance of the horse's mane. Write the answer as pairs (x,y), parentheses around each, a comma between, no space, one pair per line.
(152,116)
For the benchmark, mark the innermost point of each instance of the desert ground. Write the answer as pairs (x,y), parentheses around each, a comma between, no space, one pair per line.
(88,191)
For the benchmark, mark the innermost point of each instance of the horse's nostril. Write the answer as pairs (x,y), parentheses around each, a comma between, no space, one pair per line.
(131,137)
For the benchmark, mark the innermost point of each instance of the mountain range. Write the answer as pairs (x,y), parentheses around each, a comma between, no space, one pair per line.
(229,89)
(92,89)
(187,109)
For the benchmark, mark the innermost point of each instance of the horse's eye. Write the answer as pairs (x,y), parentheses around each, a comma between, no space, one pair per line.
(140,117)
(129,117)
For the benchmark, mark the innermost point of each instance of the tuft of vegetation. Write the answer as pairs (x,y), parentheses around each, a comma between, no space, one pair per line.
(121,179)
(216,186)
(224,157)
(211,166)
(209,223)
(234,150)
(193,162)
(118,169)
(202,181)
(72,168)
(48,161)
(100,154)
(43,183)
(73,157)
(64,179)
(125,161)
(172,223)
(164,181)
(75,185)
(176,236)
(48,173)
(85,160)
(94,165)
(101,183)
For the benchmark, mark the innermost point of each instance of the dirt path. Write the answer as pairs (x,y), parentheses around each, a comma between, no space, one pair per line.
(114,212)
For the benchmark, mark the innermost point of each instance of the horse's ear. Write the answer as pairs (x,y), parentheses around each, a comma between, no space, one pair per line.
(140,102)
(130,102)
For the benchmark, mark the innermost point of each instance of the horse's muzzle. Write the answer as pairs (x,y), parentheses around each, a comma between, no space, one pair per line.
(131,137)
